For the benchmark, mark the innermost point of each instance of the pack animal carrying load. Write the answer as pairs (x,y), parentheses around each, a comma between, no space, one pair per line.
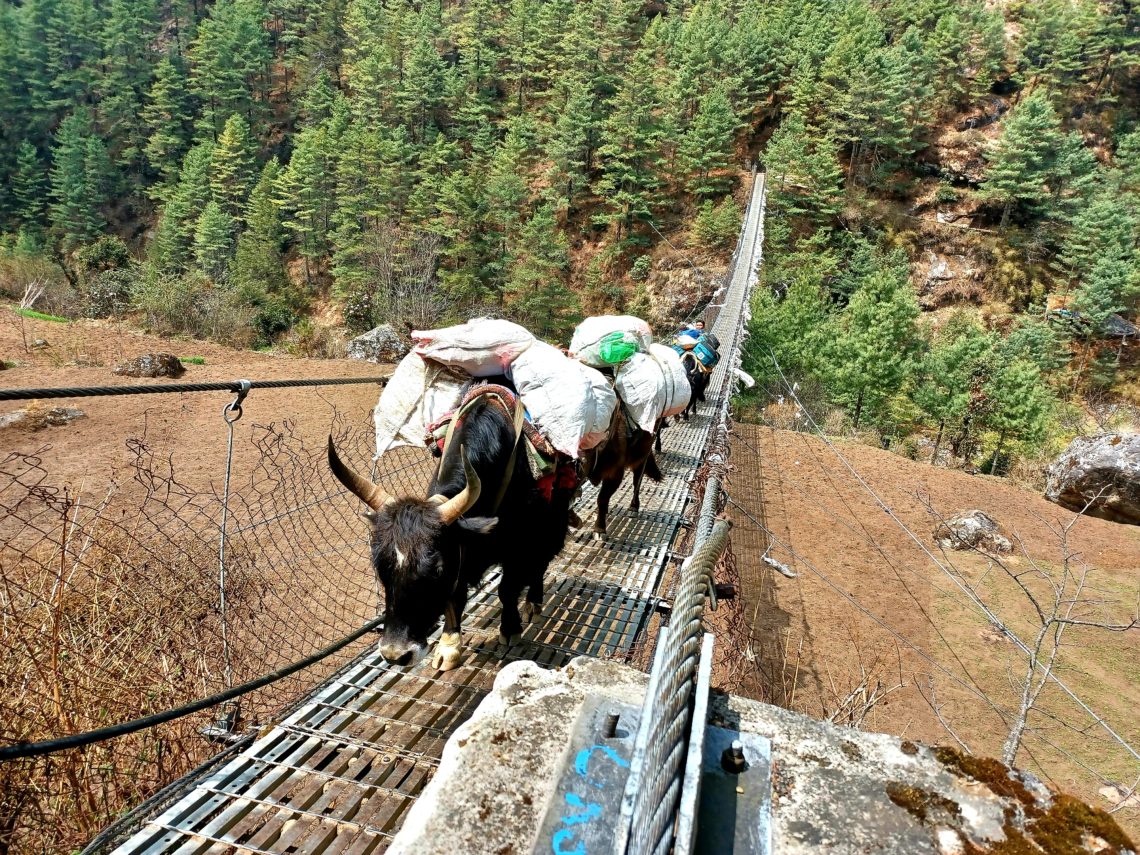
(705,349)
(676,382)
(606,341)
(568,405)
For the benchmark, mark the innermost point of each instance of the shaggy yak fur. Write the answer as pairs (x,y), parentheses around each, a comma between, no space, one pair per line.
(426,565)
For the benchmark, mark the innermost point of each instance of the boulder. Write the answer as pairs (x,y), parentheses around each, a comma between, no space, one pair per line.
(382,344)
(1099,475)
(152,365)
(971,530)
(34,417)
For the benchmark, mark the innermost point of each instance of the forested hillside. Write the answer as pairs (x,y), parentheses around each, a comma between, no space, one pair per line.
(418,160)
(953,222)
(938,168)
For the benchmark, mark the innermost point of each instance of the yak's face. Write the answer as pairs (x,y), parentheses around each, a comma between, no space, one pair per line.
(417,554)
(418,558)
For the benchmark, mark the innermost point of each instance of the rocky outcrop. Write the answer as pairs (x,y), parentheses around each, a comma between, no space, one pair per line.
(972,530)
(382,344)
(152,365)
(948,279)
(1099,475)
(675,288)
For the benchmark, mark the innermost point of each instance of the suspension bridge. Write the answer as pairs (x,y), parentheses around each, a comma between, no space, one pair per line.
(339,771)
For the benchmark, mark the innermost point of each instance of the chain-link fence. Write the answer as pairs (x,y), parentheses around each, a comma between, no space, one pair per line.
(117,603)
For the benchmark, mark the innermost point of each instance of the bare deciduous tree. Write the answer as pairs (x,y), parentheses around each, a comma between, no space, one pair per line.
(32,292)
(1059,599)
(403,263)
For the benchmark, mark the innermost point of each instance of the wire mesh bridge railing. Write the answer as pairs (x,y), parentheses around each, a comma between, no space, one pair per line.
(120,604)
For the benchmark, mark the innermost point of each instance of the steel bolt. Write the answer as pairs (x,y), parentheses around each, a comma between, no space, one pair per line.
(610,729)
(732,760)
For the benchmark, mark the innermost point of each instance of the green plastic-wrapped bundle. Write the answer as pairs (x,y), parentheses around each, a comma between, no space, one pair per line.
(617,347)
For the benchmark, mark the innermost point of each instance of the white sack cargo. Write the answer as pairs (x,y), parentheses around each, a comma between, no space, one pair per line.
(605,402)
(417,394)
(568,405)
(640,384)
(677,388)
(608,340)
(482,347)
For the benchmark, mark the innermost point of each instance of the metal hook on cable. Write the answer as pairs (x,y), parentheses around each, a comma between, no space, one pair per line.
(232,411)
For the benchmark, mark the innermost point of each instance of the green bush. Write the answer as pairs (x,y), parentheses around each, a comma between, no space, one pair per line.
(271,318)
(639,272)
(945,193)
(107,293)
(188,304)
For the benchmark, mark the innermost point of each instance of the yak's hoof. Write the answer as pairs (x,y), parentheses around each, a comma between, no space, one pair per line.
(599,534)
(574,520)
(530,611)
(448,651)
(506,643)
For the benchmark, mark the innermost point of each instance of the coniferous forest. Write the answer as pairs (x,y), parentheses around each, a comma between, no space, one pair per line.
(942,174)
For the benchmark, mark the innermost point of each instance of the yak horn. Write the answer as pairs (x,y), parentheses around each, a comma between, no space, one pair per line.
(371,494)
(454,508)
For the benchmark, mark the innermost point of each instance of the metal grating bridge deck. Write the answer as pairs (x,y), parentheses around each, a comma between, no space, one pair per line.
(339,773)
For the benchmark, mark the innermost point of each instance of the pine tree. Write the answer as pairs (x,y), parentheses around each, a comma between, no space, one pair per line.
(1127,159)
(130,30)
(472,257)
(1112,286)
(305,193)
(506,191)
(174,237)
(232,166)
(706,147)
(259,266)
(803,171)
(869,354)
(71,50)
(572,137)
(788,330)
(29,186)
(230,64)
(214,241)
(521,39)
(1106,227)
(989,52)
(1019,404)
(1025,158)
(166,116)
(323,43)
(630,156)
(79,182)
(943,384)
(423,88)
(1037,341)
(717,227)
(536,284)
(258,269)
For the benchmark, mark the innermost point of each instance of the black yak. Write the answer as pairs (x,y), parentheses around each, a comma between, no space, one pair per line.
(428,552)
